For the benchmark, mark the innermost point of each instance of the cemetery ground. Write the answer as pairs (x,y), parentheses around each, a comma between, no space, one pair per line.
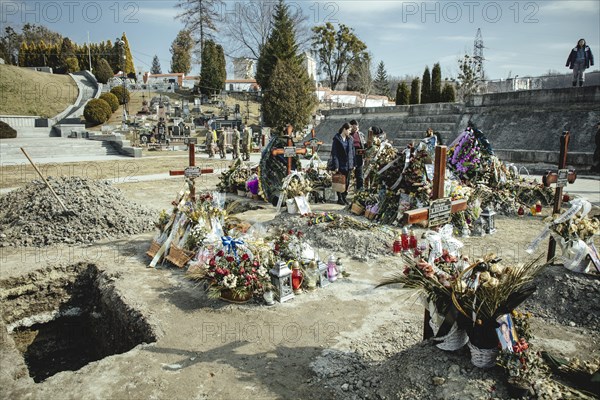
(347,340)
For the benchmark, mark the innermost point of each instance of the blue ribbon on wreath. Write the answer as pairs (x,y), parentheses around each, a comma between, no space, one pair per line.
(231,244)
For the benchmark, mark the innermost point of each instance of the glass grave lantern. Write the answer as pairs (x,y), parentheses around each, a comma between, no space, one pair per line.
(488,215)
(281,277)
(323,276)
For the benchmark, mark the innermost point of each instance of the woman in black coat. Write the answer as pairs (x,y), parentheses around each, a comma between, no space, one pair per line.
(342,158)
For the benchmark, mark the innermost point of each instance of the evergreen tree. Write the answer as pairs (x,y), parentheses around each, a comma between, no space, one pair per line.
(281,45)
(129,67)
(24,55)
(68,49)
(402,94)
(414,91)
(212,76)
(381,83)
(448,93)
(290,99)
(426,87)
(199,17)
(436,83)
(155,69)
(72,65)
(103,71)
(181,51)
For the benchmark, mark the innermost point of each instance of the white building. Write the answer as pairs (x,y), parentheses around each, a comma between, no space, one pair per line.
(350,99)
(310,64)
(243,68)
(241,85)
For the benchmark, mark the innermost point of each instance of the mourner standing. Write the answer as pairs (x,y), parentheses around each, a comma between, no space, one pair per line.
(342,158)
(359,143)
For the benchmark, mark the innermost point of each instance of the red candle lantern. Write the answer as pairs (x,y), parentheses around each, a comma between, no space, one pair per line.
(412,241)
(521,211)
(397,246)
(404,239)
(538,207)
(297,277)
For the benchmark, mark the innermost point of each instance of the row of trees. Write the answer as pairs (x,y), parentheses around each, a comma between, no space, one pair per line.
(413,94)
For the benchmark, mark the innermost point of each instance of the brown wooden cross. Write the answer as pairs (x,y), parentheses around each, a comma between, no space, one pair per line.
(192,172)
(422,214)
(439,176)
(313,142)
(290,145)
(553,177)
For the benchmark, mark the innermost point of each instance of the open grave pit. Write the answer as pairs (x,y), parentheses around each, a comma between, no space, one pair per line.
(63,318)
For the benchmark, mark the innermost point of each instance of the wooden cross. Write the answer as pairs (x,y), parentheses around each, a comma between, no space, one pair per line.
(290,145)
(439,176)
(552,177)
(313,142)
(422,214)
(192,171)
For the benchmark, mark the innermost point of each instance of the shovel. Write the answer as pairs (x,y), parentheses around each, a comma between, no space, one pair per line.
(66,211)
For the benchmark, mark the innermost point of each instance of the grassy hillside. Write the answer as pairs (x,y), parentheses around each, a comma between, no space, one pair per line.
(27,92)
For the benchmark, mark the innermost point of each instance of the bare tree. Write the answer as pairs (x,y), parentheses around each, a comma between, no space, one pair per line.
(199,17)
(248,28)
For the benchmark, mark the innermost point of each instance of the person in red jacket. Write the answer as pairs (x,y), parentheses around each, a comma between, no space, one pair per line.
(579,60)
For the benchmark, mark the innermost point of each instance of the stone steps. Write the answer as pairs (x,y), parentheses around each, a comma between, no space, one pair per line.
(54,148)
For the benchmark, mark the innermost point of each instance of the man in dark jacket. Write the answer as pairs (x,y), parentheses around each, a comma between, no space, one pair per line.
(359,142)
(342,158)
(579,60)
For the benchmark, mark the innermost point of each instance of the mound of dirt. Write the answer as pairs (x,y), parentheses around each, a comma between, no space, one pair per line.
(31,216)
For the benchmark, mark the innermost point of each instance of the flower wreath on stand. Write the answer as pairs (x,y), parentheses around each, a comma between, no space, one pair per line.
(236,269)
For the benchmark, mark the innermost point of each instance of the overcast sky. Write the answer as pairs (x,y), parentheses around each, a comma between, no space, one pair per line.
(524,38)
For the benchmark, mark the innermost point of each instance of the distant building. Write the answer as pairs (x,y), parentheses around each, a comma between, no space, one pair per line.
(310,64)
(156,79)
(38,69)
(345,98)
(243,68)
(190,81)
(241,85)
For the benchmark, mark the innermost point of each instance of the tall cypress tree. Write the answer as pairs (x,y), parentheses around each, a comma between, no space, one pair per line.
(436,83)
(212,77)
(129,67)
(281,45)
(426,87)
(181,50)
(414,91)
(402,94)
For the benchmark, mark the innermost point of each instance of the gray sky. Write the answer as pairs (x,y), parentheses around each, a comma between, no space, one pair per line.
(525,38)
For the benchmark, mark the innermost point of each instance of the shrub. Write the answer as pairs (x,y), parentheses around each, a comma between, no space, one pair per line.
(103,71)
(112,100)
(118,91)
(97,111)
(72,64)
(6,131)
(448,93)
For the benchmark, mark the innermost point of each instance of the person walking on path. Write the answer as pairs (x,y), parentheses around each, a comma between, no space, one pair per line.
(579,60)
(236,143)
(210,140)
(221,142)
(246,143)
(342,158)
(359,143)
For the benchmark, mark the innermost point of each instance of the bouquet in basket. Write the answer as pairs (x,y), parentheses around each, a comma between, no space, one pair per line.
(487,290)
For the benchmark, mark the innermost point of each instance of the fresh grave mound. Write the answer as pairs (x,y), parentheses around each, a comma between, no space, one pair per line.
(31,216)
(340,233)
(567,298)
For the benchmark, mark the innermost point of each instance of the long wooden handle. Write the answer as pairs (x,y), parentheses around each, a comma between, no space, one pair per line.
(44,179)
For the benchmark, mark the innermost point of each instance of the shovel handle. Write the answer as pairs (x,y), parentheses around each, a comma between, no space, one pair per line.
(44,179)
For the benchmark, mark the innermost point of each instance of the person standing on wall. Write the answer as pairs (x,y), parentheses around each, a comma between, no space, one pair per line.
(342,158)
(359,143)
(579,60)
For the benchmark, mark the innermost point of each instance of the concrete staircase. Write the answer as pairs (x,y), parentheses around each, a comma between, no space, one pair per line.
(49,149)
